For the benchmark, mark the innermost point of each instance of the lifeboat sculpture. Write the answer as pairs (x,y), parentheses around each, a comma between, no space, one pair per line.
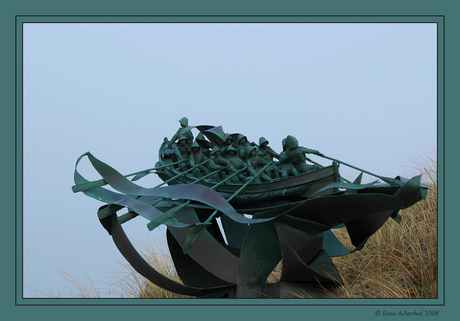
(234,210)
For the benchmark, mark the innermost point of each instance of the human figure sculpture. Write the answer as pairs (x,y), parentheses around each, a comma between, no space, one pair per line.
(296,155)
(182,152)
(267,153)
(216,161)
(243,147)
(287,168)
(165,145)
(206,146)
(235,163)
(188,134)
(196,158)
(255,163)
(228,141)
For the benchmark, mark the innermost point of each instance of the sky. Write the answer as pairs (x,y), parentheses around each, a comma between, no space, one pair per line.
(362,93)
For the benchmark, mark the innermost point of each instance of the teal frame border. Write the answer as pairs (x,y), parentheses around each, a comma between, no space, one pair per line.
(438,19)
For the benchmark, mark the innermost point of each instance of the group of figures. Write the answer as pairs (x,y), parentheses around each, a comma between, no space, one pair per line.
(237,154)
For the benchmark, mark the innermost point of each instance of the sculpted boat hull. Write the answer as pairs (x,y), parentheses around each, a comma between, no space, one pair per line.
(268,194)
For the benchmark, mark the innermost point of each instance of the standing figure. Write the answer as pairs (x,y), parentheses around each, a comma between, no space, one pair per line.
(196,158)
(267,153)
(296,155)
(182,152)
(188,134)
(217,162)
(235,164)
(255,163)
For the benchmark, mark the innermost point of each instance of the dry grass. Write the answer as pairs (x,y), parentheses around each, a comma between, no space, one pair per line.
(127,283)
(275,276)
(133,285)
(399,260)
(77,288)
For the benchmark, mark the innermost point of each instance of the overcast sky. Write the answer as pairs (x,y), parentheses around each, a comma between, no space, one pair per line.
(362,93)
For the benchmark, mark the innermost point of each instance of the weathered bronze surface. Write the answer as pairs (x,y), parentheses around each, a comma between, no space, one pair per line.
(272,207)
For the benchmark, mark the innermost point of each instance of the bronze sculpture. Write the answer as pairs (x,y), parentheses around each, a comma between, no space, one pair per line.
(243,147)
(187,133)
(196,160)
(291,216)
(296,155)
(267,153)
(183,151)
(217,162)
(236,164)
(255,162)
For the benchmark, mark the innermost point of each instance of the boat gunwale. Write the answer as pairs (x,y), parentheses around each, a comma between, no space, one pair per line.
(289,182)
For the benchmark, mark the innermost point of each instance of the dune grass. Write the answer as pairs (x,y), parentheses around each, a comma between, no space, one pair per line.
(133,285)
(399,260)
